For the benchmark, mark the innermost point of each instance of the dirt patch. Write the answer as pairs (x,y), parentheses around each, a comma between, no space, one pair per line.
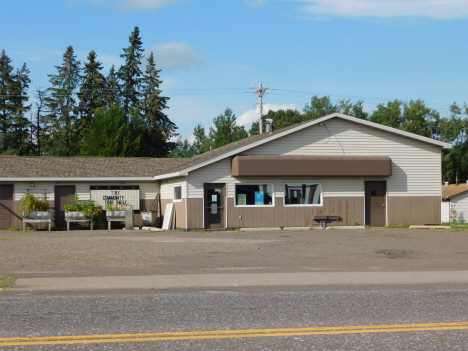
(395,253)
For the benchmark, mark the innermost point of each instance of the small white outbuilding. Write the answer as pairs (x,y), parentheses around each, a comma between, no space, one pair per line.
(454,206)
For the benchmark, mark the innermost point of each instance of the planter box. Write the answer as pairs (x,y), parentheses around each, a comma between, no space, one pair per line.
(37,215)
(115,214)
(76,215)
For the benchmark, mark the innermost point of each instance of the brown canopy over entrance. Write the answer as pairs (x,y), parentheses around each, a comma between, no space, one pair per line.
(319,166)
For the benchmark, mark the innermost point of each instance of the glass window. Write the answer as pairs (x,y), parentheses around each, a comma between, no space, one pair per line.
(177,192)
(303,194)
(254,194)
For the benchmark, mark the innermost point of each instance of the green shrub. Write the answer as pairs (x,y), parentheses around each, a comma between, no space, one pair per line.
(88,208)
(99,218)
(30,203)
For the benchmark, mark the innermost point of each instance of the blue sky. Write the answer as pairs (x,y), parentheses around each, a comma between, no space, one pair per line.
(212,51)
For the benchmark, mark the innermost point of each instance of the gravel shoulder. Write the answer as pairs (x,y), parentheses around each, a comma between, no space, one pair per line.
(119,252)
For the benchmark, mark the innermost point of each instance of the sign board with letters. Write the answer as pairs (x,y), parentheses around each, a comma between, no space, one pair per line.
(126,195)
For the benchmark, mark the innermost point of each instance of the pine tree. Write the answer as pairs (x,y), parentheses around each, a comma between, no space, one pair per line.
(91,90)
(63,134)
(130,73)
(158,128)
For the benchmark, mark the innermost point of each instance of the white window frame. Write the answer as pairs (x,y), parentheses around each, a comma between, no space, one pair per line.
(255,206)
(173,193)
(303,205)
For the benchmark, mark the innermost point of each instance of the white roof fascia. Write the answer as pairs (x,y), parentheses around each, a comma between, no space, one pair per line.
(171,175)
(306,125)
(73,179)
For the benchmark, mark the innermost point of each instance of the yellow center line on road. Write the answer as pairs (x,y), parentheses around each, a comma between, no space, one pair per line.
(225,334)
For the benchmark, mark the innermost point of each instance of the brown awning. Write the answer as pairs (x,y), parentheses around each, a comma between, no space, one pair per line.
(328,166)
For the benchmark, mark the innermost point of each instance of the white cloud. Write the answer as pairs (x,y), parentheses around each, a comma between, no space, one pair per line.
(387,8)
(132,5)
(254,3)
(173,55)
(144,5)
(248,117)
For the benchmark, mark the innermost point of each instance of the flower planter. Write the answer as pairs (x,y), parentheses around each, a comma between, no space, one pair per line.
(115,214)
(37,215)
(76,215)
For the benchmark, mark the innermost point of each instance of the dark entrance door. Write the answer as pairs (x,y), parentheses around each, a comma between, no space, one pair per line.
(62,198)
(214,206)
(375,193)
(6,206)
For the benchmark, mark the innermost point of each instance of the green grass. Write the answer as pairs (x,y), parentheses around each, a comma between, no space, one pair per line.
(5,281)
(14,229)
(457,226)
(398,225)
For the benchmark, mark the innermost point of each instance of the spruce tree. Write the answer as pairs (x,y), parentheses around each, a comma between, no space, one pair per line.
(14,133)
(7,99)
(130,73)
(158,128)
(112,90)
(92,90)
(63,134)
(40,123)
(19,139)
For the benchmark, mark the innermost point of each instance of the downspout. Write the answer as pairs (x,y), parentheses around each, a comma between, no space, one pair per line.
(186,201)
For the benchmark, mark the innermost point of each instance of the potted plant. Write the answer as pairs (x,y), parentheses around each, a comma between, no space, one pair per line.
(76,211)
(34,208)
(115,211)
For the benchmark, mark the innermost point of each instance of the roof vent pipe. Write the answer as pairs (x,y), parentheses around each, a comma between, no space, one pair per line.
(269,125)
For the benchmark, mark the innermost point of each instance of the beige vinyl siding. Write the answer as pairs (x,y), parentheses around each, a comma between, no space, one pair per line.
(220,172)
(167,187)
(148,190)
(416,166)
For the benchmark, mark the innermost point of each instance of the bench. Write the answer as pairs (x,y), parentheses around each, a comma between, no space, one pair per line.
(35,220)
(323,219)
(69,220)
(42,220)
(114,219)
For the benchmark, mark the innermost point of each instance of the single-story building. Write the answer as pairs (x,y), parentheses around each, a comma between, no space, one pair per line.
(454,205)
(347,169)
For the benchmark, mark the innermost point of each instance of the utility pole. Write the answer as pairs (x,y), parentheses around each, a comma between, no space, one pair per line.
(260,91)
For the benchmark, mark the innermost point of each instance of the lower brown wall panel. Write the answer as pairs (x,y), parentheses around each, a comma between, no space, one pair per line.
(414,210)
(350,209)
(195,213)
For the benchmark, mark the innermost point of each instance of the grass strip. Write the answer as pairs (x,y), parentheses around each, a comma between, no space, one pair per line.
(5,281)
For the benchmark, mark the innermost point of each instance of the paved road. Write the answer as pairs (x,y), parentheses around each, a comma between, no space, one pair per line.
(295,320)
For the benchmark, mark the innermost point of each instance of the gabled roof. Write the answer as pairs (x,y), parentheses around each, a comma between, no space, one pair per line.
(259,139)
(453,190)
(29,168)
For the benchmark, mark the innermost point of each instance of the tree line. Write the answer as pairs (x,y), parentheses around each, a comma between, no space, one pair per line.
(84,112)
(413,116)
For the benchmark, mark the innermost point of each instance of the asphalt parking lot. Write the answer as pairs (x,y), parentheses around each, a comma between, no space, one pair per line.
(118,252)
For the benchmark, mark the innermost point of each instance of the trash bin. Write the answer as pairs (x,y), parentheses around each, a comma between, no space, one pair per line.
(147,218)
